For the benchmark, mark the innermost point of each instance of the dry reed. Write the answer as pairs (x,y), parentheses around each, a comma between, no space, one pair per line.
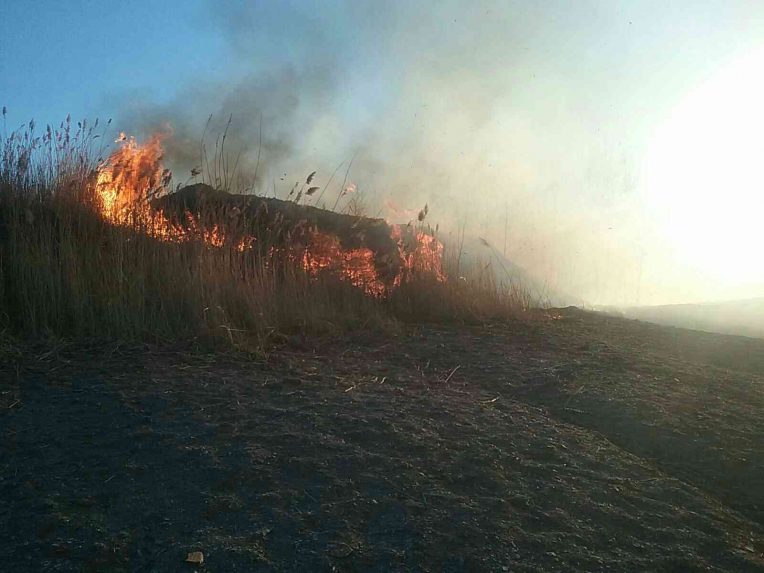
(65,272)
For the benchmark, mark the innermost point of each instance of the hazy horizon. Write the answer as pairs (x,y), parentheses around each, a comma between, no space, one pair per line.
(616,143)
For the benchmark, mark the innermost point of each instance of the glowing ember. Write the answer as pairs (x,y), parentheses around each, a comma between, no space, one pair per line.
(133,175)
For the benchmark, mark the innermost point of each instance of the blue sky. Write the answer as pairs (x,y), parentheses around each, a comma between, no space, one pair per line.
(547,110)
(78,56)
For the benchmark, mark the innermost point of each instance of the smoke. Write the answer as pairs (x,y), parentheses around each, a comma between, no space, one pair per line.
(509,119)
(267,111)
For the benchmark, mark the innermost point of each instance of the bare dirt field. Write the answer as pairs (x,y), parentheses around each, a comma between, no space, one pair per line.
(568,441)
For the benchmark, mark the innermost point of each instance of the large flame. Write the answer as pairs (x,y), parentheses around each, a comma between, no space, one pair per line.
(133,175)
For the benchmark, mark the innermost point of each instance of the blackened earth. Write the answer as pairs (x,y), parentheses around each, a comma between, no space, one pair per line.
(566,441)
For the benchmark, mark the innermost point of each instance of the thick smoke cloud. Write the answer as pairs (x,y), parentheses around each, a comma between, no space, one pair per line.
(513,119)
(267,115)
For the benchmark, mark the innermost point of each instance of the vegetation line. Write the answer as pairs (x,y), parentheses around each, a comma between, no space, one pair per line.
(68,271)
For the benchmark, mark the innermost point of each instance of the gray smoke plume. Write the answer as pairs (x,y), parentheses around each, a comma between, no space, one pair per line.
(520,122)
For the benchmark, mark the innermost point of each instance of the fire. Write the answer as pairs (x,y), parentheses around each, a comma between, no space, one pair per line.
(325,253)
(130,176)
(420,253)
(133,175)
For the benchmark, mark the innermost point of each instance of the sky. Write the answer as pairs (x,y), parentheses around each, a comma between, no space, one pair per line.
(615,144)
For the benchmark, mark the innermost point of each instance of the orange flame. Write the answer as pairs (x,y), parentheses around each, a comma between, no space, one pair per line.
(422,254)
(355,265)
(133,175)
(130,176)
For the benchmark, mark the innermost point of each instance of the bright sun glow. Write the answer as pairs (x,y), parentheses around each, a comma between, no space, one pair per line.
(704,174)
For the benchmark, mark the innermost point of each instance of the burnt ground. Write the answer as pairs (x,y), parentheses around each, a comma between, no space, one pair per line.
(563,442)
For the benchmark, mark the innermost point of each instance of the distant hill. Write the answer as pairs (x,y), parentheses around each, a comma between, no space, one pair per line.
(742,317)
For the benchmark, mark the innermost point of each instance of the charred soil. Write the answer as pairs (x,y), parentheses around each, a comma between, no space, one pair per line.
(567,441)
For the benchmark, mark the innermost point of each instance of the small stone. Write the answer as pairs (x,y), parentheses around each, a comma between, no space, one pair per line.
(195,557)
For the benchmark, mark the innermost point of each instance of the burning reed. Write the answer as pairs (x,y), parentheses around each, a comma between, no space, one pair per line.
(93,246)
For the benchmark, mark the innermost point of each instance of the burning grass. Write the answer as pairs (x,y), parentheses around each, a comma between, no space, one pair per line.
(89,248)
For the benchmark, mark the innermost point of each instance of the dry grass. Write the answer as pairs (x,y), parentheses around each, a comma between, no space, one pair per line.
(67,273)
